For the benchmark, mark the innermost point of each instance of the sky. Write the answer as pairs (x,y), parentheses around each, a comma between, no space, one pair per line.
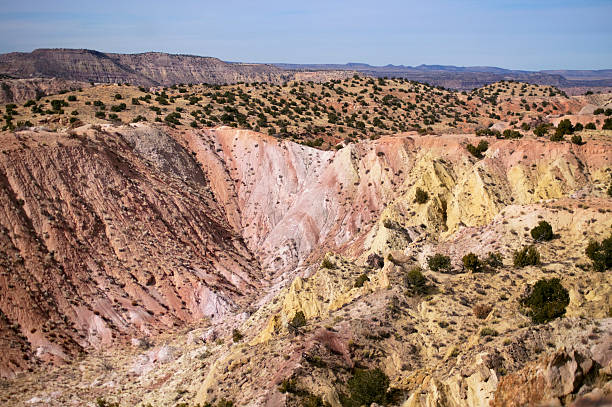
(514,34)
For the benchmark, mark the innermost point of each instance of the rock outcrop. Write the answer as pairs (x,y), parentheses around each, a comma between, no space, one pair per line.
(110,235)
(145,69)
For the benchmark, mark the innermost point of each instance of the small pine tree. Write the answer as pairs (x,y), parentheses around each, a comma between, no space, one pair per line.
(527,256)
(421,196)
(547,300)
(542,232)
(472,263)
(439,262)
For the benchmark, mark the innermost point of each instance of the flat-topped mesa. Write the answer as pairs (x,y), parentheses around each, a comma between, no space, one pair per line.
(144,69)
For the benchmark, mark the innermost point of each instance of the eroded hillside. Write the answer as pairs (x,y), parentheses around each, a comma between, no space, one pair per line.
(143,237)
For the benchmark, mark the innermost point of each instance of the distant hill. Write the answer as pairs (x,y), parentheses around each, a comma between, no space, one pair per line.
(161,69)
(458,77)
(147,69)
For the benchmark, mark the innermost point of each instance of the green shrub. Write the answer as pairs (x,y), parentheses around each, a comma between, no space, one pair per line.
(541,129)
(488,332)
(578,127)
(298,320)
(607,124)
(100,402)
(477,151)
(494,260)
(421,196)
(564,127)
(542,232)
(173,118)
(72,98)
(472,263)
(100,115)
(327,264)
(288,386)
(415,281)
(367,387)
(511,134)
(590,126)
(527,256)
(557,137)
(600,254)
(375,261)
(576,139)
(439,262)
(361,280)
(118,108)
(237,335)
(546,301)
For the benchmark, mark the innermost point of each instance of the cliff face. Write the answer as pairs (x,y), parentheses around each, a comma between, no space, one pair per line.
(105,235)
(20,90)
(123,232)
(146,69)
(293,202)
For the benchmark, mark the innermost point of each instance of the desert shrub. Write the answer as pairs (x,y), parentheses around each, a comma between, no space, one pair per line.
(557,137)
(118,108)
(472,263)
(477,151)
(100,402)
(375,261)
(312,400)
(118,96)
(367,387)
(607,124)
(415,281)
(481,311)
(564,127)
(600,254)
(173,118)
(327,264)
(541,129)
(135,101)
(439,262)
(576,139)
(578,127)
(598,111)
(511,134)
(488,332)
(494,260)
(421,196)
(527,256)
(298,320)
(361,280)
(590,126)
(72,98)
(288,386)
(488,132)
(237,335)
(542,232)
(546,301)
(100,115)
(139,118)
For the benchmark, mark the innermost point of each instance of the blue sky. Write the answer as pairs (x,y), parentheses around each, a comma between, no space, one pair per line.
(516,34)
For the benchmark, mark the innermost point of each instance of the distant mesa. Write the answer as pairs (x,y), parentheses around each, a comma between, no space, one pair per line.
(162,69)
